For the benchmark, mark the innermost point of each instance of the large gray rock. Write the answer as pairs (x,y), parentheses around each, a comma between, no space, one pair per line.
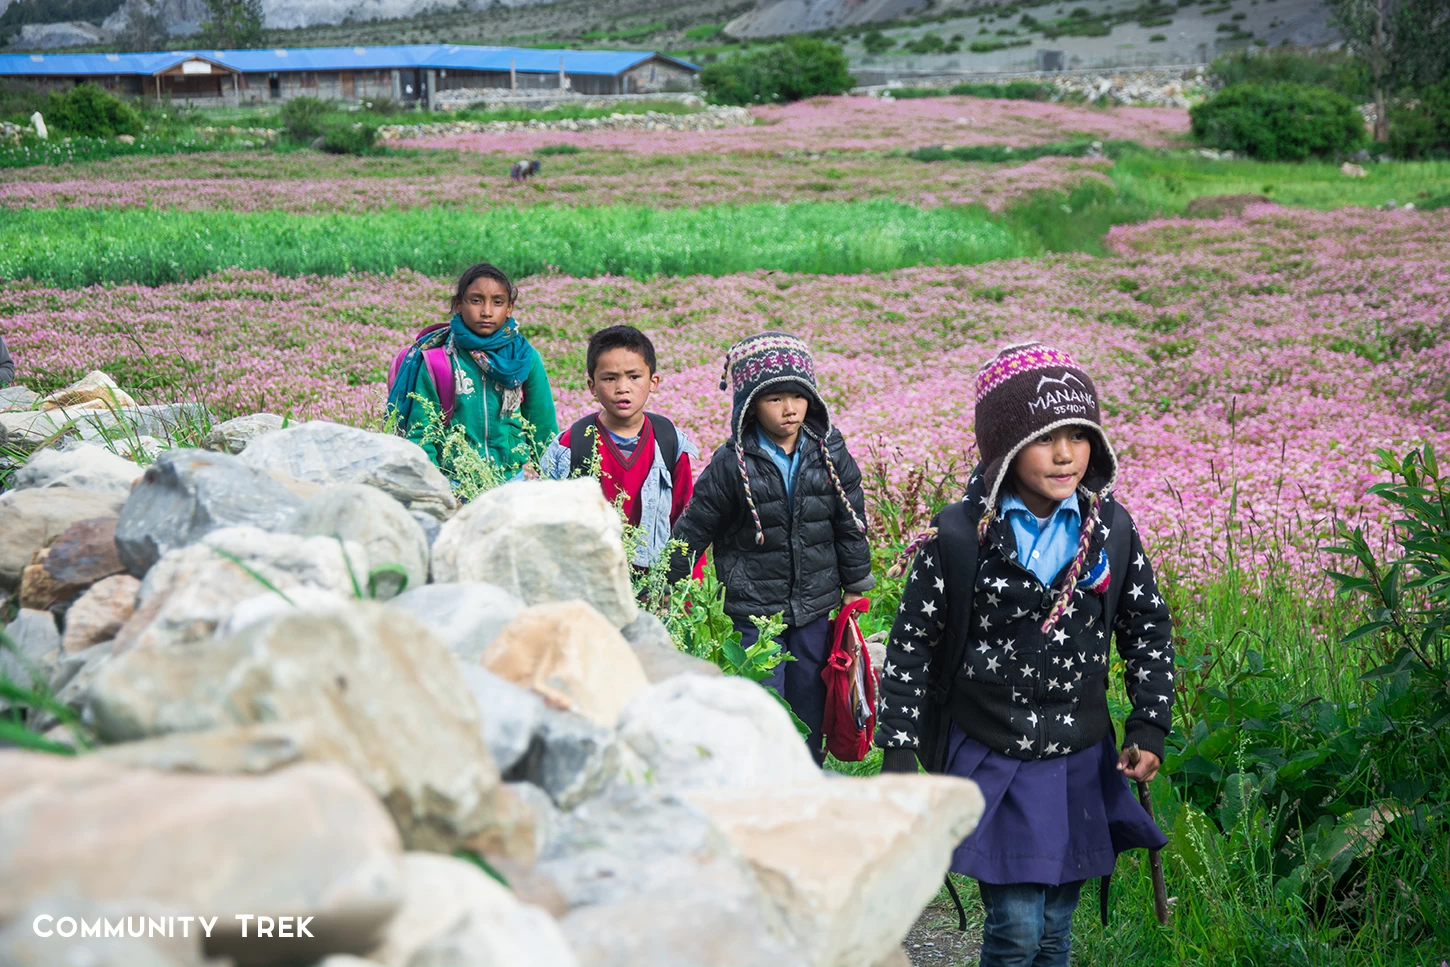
(379,523)
(30,942)
(465,617)
(83,468)
(187,494)
(172,422)
(548,818)
(651,882)
(309,840)
(30,519)
(511,715)
(233,435)
(329,453)
(16,398)
(70,33)
(455,915)
(381,694)
(695,732)
(573,759)
(544,540)
(33,636)
(657,653)
(194,591)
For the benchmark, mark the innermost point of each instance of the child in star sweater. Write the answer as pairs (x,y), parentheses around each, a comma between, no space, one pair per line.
(997,665)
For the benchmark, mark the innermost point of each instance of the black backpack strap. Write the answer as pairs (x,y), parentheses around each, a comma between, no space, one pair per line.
(583,436)
(668,439)
(1118,545)
(957,540)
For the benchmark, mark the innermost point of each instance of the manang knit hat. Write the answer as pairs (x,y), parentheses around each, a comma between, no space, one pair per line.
(1028,390)
(778,362)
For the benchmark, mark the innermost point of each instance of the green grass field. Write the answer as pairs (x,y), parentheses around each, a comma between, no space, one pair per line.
(72,247)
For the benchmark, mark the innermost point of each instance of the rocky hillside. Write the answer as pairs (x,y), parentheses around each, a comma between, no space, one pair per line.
(304,684)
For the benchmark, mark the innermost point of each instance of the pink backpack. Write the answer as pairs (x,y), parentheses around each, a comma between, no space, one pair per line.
(438,364)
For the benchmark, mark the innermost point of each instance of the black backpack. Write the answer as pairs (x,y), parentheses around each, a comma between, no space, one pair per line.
(582,436)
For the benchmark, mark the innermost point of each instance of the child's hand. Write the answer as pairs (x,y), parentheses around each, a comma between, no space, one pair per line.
(850,598)
(1138,765)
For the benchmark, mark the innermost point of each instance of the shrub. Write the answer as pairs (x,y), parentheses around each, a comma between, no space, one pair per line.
(876,42)
(344,138)
(1421,128)
(798,68)
(302,117)
(87,111)
(1157,39)
(1281,122)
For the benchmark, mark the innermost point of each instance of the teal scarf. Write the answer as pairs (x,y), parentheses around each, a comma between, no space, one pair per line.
(505,357)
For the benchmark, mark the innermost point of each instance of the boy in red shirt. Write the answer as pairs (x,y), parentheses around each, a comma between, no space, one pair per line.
(642,455)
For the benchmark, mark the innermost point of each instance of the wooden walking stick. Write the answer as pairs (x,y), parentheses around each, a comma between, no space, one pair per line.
(1155,861)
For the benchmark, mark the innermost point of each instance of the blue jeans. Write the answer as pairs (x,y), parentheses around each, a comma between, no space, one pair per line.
(1028,924)
(799,682)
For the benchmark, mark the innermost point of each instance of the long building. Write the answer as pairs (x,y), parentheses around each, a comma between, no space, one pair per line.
(415,72)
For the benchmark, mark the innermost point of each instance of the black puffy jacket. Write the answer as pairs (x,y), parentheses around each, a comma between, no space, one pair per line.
(813,548)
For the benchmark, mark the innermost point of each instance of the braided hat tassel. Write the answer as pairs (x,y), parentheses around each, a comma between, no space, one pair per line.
(840,490)
(749,497)
(1079,561)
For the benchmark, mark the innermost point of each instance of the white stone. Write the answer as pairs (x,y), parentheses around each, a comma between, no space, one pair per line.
(391,537)
(465,617)
(192,591)
(554,540)
(232,436)
(826,853)
(309,840)
(330,453)
(381,693)
(454,915)
(83,468)
(695,732)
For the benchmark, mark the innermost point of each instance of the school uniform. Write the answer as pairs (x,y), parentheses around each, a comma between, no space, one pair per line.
(1024,713)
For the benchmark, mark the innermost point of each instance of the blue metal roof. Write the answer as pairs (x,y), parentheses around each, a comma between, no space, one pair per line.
(525,60)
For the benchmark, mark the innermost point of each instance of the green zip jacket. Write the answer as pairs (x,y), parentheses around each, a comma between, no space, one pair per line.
(478,407)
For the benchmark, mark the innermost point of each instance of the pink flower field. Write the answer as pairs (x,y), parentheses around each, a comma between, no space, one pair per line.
(1269,355)
(700,180)
(862,124)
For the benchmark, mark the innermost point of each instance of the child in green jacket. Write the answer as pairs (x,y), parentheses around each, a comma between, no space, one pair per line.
(501,393)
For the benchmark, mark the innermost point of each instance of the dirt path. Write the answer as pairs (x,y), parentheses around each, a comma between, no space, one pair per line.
(935,941)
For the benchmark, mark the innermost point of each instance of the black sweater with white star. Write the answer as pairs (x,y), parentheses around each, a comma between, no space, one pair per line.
(1019,691)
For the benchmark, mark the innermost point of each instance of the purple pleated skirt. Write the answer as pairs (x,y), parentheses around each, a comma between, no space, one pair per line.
(1049,821)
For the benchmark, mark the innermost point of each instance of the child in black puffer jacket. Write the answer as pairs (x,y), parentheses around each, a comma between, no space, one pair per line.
(781,502)
(997,666)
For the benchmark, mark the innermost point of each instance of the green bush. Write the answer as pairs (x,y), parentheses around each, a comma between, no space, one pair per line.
(87,111)
(1279,122)
(876,42)
(302,117)
(800,67)
(1421,128)
(340,137)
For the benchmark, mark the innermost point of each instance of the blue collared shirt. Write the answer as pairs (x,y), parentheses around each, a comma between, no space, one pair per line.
(1044,551)
(788,463)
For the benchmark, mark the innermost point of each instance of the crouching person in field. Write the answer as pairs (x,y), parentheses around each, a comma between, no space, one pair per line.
(781,502)
(643,458)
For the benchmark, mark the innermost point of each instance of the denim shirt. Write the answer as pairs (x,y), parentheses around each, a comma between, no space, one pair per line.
(787,463)
(1047,551)
(656,497)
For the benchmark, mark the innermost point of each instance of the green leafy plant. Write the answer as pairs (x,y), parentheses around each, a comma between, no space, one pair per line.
(1420,127)
(32,696)
(344,138)
(1408,597)
(1280,122)
(302,117)
(798,68)
(87,111)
